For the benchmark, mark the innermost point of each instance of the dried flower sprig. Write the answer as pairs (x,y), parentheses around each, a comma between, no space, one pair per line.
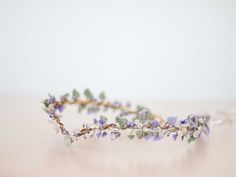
(141,122)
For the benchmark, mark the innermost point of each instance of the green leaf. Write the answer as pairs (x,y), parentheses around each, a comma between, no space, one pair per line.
(88,94)
(46,103)
(144,115)
(75,94)
(192,138)
(102,96)
(134,119)
(140,134)
(131,136)
(51,95)
(141,116)
(92,109)
(117,119)
(81,108)
(139,107)
(148,133)
(122,122)
(65,96)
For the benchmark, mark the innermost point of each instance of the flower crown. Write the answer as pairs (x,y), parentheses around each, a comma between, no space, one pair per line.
(141,122)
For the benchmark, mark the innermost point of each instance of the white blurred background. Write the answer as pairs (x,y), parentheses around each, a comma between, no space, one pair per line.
(161,50)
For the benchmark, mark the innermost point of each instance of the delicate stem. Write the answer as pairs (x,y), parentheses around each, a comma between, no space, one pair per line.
(107,104)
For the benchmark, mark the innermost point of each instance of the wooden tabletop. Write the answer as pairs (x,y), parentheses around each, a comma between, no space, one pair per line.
(29,147)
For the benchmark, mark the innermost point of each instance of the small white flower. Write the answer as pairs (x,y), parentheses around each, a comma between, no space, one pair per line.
(196,133)
(182,132)
(201,120)
(67,140)
(200,128)
(187,136)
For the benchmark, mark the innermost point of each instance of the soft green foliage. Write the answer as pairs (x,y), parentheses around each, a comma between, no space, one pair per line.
(139,107)
(88,94)
(65,97)
(75,94)
(131,136)
(192,138)
(122,122)
(51,96)
(93,109)
(102,96)
(144,115)
(141,122)
(81,108)
(148,133)
(46,103)
(140,134)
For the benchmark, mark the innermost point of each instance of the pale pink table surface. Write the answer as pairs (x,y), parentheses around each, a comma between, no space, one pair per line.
(29,147)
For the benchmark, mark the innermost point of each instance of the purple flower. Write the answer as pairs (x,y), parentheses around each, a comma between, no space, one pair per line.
(206,130)
(157,138)
(102,121)
(184,121)
(60,108)
(95,121)
(131,124)
(154,123)
(171,120)
(51,100)
(175,135)
(85,125)
(51,112)
(98,134)
(104,134)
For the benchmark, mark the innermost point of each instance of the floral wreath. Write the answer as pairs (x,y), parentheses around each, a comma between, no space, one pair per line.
(141,122)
